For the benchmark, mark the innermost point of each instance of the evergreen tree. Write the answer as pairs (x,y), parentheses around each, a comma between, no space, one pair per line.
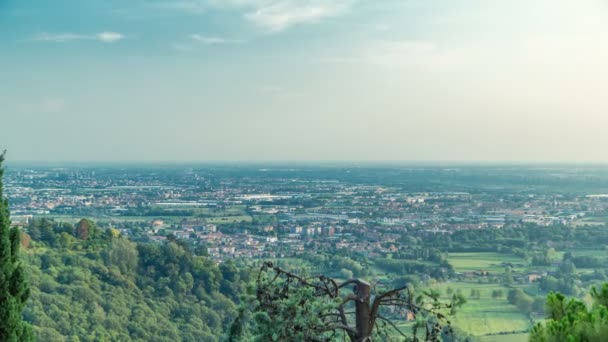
(14,290)
(569,319)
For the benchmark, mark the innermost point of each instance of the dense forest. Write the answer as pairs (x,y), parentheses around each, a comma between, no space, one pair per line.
(93,285)
(89,284)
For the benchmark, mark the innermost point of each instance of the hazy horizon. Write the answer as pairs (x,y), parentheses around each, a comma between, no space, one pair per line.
(277,164)
(284,81)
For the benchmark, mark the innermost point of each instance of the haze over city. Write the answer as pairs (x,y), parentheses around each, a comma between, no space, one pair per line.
(286,80)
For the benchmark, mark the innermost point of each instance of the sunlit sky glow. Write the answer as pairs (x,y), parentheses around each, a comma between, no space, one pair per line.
(200,80)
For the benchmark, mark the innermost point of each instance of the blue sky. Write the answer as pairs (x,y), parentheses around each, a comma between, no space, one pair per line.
(198,80)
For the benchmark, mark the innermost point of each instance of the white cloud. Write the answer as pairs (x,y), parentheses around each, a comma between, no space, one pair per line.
(196,40)
(270,15)
(105,37)
(109,37)
(57,37)
(280,15)
(213,40)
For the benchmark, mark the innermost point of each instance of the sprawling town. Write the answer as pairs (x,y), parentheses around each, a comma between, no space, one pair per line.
(251,212)
(495,240)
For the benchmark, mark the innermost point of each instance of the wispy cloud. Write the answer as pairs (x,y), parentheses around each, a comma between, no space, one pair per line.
(57,37)
(109,37)
(270,15)
(213,40)
(277,16)
(105,37)
(195,42)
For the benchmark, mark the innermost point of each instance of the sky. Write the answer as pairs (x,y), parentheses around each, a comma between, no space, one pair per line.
(315,80)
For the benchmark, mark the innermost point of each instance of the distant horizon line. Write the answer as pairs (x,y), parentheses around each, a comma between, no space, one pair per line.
(418,163)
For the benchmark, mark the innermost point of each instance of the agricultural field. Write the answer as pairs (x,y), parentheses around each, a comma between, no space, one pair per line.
(484,261)
(598,253)
(493,319)
(503,338)
(489,316)
(485,315)
(228,219)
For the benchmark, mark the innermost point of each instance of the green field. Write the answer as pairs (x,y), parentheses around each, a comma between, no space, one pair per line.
(216,218)
(503,338)
(488,316)
(228,219)
(495,319)
(487,261)
(485,315)
(590,252)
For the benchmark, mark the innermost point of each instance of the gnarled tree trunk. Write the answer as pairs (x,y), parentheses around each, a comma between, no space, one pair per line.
(362,291)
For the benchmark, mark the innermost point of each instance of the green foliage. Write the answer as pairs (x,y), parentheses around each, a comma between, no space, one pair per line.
(14,289)
(107,288)
(284,310)
(498,293)
(567,267)
(475,293)
(283,306)
(401,266)
(572,320)
(123,254)
(520,299)
(298,316)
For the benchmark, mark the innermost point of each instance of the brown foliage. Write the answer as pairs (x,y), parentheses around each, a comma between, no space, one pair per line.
(25,240)
(82,229)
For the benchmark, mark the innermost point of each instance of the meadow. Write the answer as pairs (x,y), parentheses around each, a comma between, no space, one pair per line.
(485,315)
(486,261)
(490,319)
(503,338)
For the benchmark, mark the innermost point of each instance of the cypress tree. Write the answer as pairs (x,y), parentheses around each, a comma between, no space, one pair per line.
(14,290)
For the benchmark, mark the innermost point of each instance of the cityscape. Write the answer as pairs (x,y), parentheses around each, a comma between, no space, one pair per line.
(271,212)
(494,239)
